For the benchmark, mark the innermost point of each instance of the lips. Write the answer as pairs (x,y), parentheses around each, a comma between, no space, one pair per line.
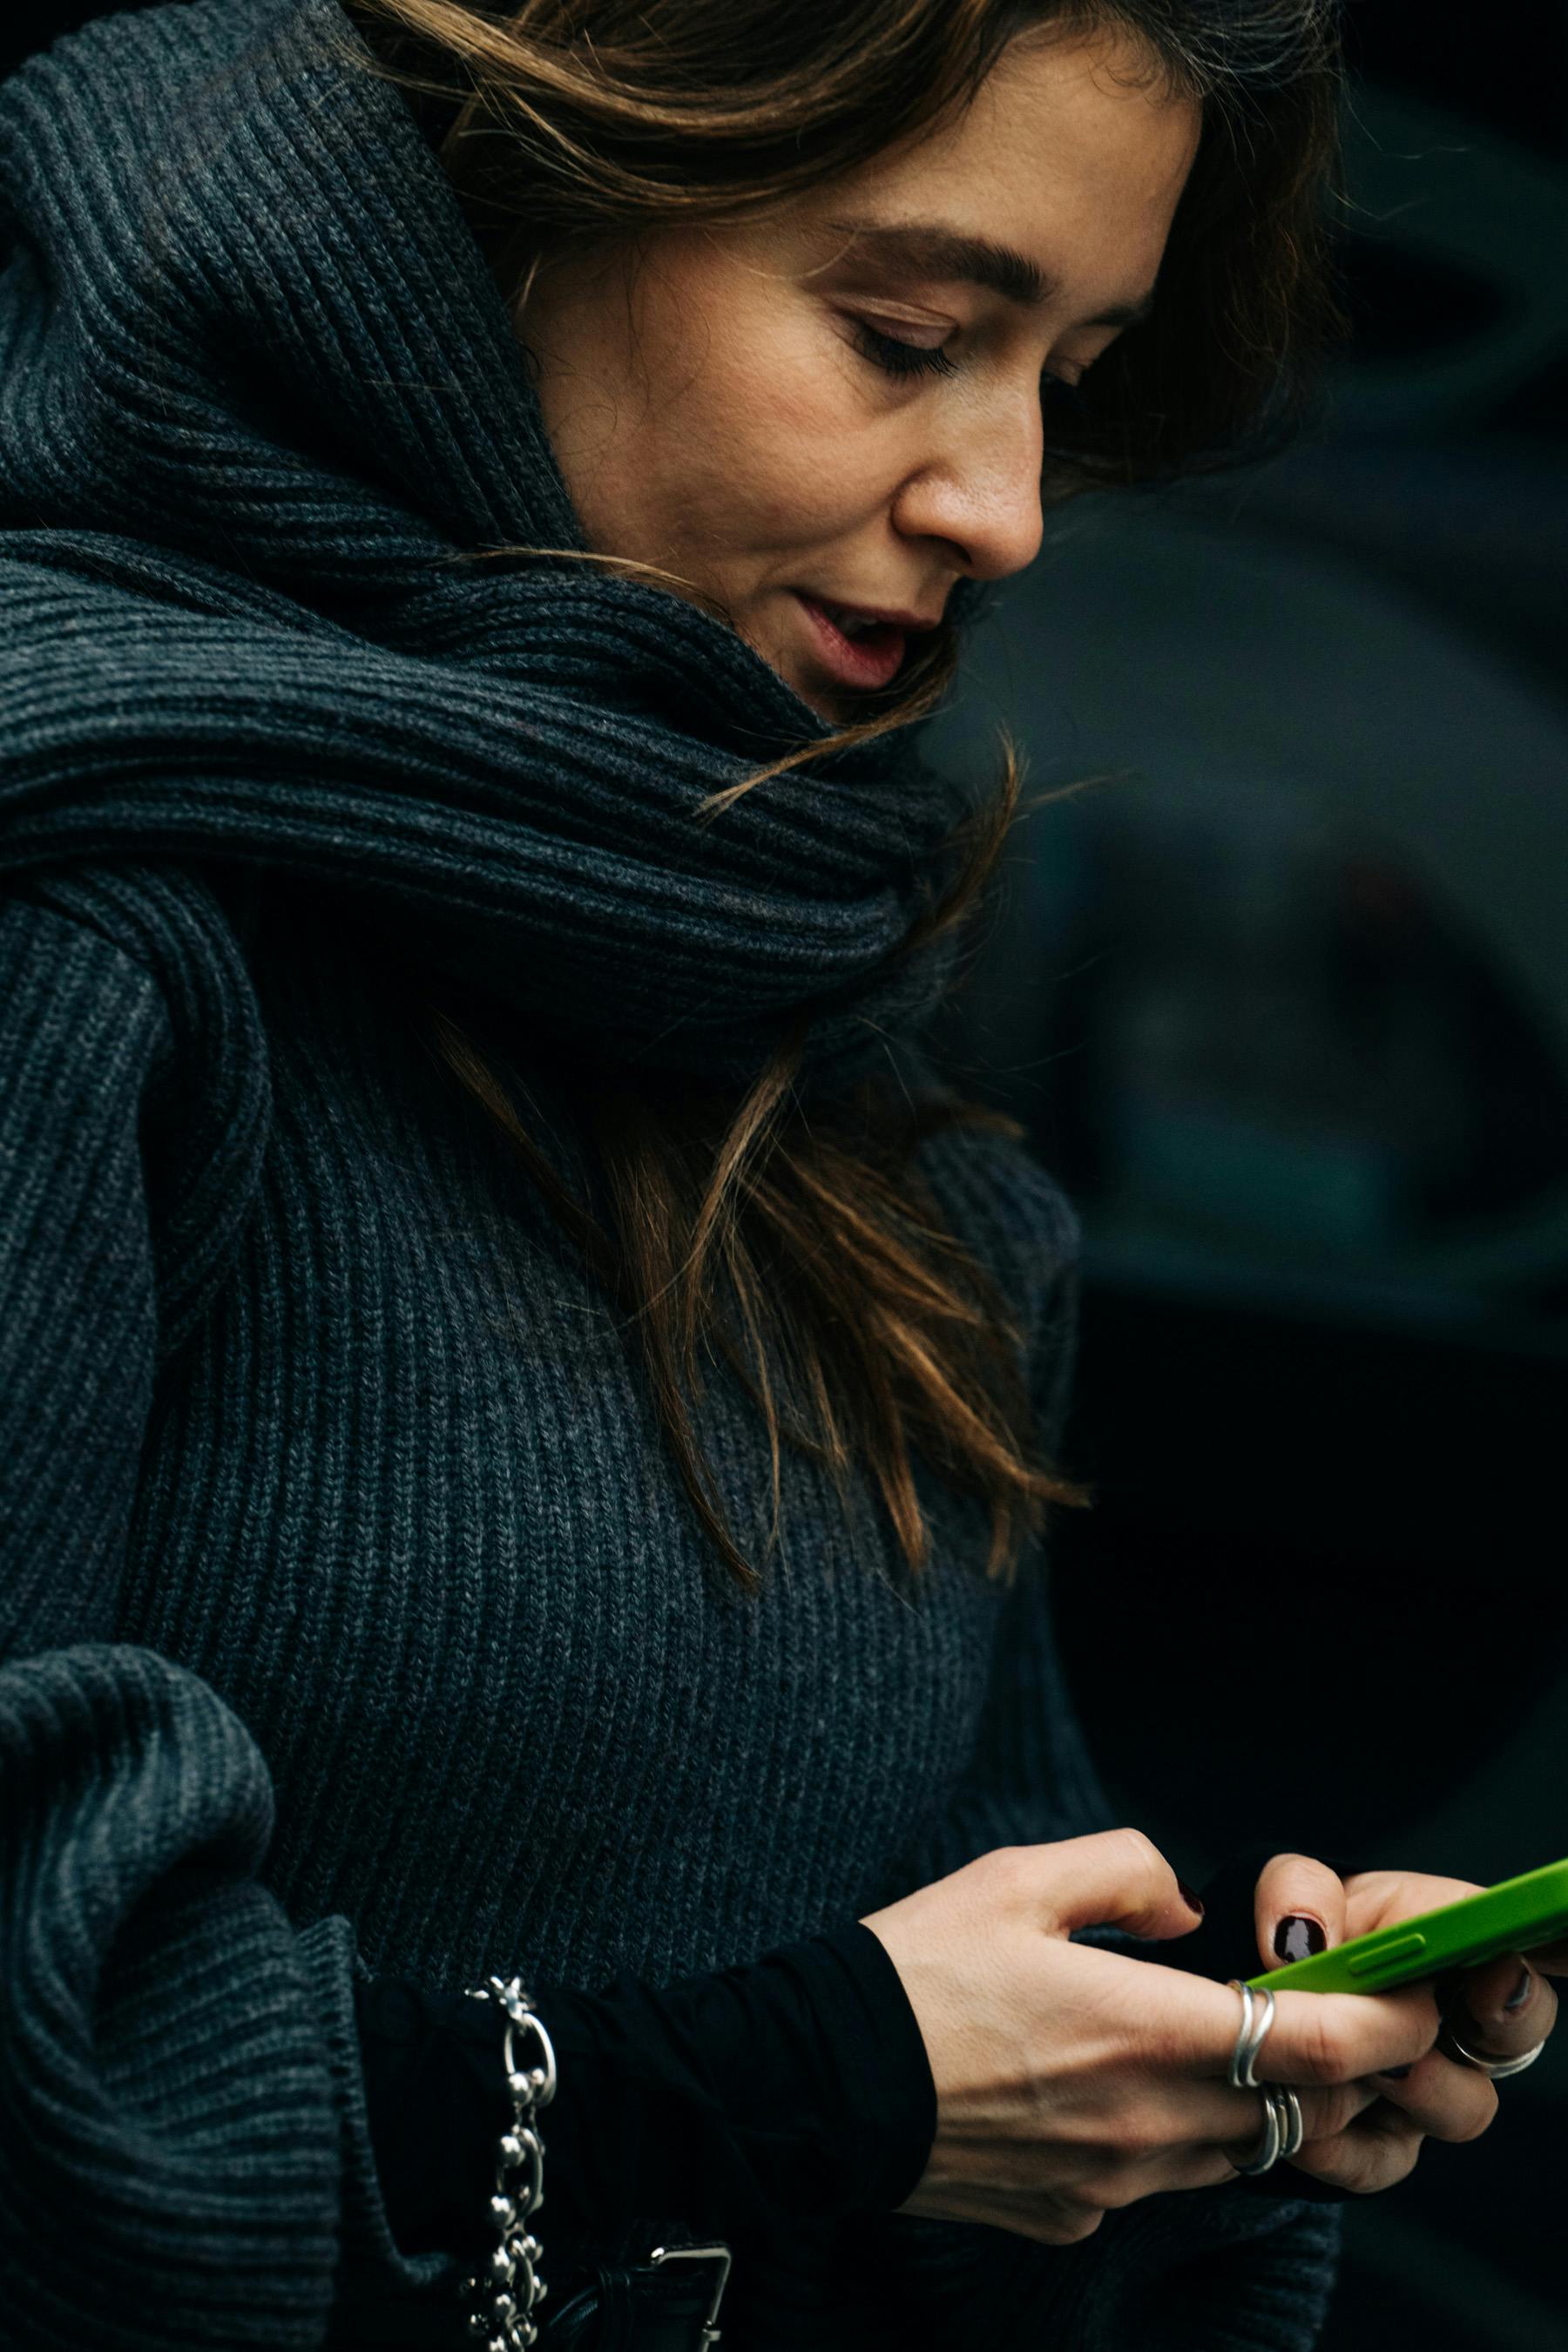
(870,659)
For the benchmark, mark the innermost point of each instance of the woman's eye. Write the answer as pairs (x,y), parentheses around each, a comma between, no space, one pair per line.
(898,358)
(901,358)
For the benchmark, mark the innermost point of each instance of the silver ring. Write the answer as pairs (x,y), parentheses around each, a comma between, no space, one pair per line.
(1497,2069)
(1271,2147)
(1296,2129)
(1283,2128)
(1249,2041)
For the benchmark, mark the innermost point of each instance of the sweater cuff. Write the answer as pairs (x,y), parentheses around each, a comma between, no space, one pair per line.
(371,2263)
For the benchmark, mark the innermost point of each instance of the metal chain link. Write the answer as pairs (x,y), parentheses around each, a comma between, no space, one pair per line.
(503,2297)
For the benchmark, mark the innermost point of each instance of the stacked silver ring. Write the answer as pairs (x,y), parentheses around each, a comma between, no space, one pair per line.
(1283,2126)
(1498,2069)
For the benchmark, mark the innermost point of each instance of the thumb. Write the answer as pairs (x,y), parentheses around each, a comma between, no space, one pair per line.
(1113,1879)
(1299,1907)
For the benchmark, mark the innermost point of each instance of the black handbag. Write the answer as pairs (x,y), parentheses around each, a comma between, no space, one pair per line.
(655,2291)
(658,2291)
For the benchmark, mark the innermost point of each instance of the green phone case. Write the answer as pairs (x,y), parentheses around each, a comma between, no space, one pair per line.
(1509,1917)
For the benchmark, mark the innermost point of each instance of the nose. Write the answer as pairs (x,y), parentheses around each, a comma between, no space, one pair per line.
(978,486)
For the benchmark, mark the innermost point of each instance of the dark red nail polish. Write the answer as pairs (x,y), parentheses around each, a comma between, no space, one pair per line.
(1517,1998)
(1298,1937)
(1193,1902)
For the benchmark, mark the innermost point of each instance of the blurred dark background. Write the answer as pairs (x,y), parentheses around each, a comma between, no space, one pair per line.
(1284,1004)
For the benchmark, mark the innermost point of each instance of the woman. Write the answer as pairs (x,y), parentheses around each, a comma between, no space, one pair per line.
(527,1404)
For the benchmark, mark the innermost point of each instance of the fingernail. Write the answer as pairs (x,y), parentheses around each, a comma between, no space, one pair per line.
(1193,1902)
(1396,2074)
(1521,1994)
(1298,1937)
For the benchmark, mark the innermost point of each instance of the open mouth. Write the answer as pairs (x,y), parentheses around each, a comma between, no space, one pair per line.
(858,654)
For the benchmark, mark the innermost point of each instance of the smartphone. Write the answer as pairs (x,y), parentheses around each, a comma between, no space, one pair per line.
(1509,1917)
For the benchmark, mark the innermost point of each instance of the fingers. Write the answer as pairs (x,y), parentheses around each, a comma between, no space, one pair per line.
(1206,2138)
(1380,1897)
(1321,2037)
(1299,1907)
(1214,2116)
(1450,2100)
(1316,2038)
(1500,2010)
(1443,2099)
(1378,2149)
(1111,1878)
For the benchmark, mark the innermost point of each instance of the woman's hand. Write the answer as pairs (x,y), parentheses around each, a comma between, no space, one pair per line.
(1071,2080)
(1440,2098)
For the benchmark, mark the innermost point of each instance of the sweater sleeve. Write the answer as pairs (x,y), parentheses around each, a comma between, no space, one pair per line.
(184,2154)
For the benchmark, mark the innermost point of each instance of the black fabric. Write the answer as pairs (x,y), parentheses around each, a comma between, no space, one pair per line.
(797,2086)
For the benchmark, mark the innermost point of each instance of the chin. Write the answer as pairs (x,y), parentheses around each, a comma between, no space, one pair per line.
(822,699)
(831,703)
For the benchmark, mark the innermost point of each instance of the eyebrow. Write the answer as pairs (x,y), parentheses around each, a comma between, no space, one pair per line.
(935,250)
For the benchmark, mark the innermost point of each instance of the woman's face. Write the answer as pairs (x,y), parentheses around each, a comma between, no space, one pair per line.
(841,404)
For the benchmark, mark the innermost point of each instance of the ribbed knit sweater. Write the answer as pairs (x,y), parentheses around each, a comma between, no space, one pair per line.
(352,1621)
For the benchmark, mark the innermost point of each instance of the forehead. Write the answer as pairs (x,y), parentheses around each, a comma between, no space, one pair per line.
(1069,148)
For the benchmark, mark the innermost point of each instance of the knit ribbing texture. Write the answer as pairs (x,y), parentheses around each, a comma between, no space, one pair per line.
(351,1615)
(259,400)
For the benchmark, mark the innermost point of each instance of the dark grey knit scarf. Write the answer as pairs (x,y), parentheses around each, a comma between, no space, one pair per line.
(256,390)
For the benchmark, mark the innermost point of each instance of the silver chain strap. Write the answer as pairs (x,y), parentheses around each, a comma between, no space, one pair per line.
(504,2295)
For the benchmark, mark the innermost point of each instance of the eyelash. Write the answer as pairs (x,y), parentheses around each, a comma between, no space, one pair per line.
(898,359)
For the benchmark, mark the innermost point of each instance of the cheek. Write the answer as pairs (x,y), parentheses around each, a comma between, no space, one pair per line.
(771,431)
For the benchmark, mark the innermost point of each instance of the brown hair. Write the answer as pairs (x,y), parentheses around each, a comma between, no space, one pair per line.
(810,1254)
